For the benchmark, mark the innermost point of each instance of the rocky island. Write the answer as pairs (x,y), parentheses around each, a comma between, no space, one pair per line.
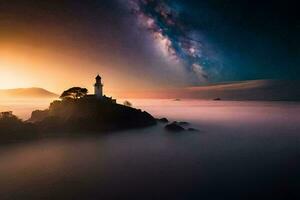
(89,114)
(76,111)
(83,113)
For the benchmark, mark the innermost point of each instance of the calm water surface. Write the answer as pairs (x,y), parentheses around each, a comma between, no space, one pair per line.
(244,150)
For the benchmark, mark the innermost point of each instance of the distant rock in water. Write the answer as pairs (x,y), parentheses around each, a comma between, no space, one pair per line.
(174,127)
(183,123)
(253,90)
(192,129)
(178,126)
(90,114)
(163,120)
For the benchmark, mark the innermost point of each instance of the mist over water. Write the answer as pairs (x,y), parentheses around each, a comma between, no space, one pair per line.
(23,107)
(243,150)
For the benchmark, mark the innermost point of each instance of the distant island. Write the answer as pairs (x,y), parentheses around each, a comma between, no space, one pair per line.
(76,112)
(27,93)
(251,90)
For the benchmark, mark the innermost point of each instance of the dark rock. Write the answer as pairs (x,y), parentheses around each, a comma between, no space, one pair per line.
(174,126)
(183,123)
(12,128)
(84,115)
(217,99)
(192,129)
(90,115)
(38,115)
(163,120)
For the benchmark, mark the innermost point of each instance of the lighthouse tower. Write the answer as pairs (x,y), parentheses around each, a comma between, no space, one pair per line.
(98,88)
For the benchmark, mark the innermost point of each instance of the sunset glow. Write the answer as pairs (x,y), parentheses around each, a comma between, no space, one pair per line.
(168,44)
(23,66)
(149,99)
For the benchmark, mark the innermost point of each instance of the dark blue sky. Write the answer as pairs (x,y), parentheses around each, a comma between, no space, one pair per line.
(240,39)
(198,41)
(256,39)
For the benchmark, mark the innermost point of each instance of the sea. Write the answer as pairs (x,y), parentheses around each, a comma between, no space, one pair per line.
(242,150)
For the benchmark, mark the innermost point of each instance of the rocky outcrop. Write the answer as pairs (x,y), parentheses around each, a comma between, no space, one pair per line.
(14,129)
(179,126)
(38,115)
(163,120)
(193,129)
(174,127)
(217,99)
(183,123)
(90,115)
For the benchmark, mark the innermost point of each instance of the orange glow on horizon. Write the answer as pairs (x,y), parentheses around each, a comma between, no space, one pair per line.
(23,66)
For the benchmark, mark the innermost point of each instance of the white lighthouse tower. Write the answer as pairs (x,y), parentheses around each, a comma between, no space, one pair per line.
(98,88)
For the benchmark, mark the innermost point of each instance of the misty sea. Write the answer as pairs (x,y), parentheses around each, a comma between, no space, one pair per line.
(243,150)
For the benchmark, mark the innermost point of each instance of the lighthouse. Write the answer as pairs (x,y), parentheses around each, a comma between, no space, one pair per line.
(98,88)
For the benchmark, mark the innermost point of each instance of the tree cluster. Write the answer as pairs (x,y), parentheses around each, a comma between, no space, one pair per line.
(74,93)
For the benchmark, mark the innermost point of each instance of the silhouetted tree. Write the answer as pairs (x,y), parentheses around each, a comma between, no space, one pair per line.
(127,103)
(8,116)
(74,93)
(12,128)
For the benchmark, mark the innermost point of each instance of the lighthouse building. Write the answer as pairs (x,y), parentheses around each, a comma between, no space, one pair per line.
(98,92)
(98,86)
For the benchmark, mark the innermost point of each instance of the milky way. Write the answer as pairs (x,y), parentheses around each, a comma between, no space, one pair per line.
(171,42)
(177,41)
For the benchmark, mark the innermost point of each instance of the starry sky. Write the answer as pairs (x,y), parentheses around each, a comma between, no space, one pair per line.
(146,43)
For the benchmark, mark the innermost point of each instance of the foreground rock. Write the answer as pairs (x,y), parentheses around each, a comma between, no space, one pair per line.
(73,115)
(174,127)
(14,129)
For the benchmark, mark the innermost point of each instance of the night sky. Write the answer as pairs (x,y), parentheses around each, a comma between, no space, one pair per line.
(179,42)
